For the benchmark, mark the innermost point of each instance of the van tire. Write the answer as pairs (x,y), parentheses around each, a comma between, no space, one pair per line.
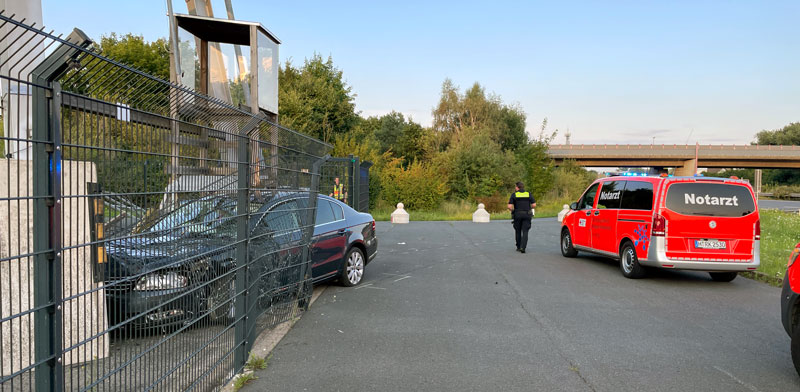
(567,249)
(723,276)
(796,348)
(629,262)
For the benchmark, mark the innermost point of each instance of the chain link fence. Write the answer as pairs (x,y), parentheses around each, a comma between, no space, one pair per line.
(148,233)
(347,179)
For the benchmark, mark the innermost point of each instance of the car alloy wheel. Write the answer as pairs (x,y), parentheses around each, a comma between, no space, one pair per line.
(629,263)
(627,260)
(567,250)
(353,268)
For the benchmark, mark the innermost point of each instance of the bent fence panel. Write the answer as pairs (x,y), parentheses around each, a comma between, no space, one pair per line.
(147,232)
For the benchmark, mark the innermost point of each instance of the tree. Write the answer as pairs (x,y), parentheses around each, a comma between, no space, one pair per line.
(133,50)
(788,135)
(394,133)
(315,99)
(456,112)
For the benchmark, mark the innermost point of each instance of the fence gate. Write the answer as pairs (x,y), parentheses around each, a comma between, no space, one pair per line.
(147,232)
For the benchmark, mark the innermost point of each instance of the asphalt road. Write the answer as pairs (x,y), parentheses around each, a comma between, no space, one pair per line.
(785,205)
(452,306)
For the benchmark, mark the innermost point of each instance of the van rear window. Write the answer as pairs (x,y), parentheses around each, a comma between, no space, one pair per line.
(710,199)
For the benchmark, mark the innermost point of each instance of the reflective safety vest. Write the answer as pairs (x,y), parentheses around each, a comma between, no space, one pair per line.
(521,195)
(338,191)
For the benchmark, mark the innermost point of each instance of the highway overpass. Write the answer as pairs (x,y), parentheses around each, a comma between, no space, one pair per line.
(681,157)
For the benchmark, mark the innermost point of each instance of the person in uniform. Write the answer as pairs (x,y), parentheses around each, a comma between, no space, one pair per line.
(521,205)
(338,191)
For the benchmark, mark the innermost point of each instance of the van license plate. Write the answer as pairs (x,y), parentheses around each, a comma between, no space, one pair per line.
(709,244)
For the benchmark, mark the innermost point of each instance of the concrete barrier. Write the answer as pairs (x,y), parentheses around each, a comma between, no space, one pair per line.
(563,213)
(400,215)
(481,215)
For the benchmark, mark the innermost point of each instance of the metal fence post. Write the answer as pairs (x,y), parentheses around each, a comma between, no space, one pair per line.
(242,259)
(47,292)
(310,219)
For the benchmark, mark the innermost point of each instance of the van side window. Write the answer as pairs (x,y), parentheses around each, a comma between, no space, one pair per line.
(587,201)
(638,195)
(610,194)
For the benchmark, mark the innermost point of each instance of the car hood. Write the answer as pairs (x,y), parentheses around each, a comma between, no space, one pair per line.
(145,253)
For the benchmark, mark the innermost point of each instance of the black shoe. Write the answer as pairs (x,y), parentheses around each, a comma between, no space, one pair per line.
(519,250)
(522,250)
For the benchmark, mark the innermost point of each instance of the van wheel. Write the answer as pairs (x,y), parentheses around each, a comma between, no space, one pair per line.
(796,348)
(567,250)
(629,263)
(723,276)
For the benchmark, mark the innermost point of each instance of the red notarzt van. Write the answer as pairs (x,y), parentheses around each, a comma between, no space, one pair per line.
(690,223)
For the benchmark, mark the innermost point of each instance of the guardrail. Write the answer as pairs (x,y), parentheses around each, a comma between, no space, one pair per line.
(771,194)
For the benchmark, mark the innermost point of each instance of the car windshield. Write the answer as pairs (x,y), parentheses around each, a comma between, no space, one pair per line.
(212,216)
(710,199)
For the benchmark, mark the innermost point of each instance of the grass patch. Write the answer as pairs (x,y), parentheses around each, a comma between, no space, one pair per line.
(461,210)
(780,231)
(256,363)
(243,380)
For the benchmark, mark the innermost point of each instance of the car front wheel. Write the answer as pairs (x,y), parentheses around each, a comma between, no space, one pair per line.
(353,269)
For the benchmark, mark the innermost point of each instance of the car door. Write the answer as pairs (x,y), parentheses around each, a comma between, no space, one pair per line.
(329,240)
(583,223)
(604,216)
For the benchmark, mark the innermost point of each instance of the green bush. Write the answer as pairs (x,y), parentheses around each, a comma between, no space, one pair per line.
(417,186)
(569,181)
(783,191)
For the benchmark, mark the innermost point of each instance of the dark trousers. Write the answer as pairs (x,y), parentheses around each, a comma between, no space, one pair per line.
(521,226)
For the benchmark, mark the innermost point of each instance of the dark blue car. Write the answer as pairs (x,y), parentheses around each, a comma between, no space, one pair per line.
(181,266)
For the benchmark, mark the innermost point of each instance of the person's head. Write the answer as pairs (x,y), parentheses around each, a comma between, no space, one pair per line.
(336,180)
(520,186)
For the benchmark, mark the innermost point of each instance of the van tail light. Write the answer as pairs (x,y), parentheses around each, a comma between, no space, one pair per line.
(793,256)
(757,229)
(659,226)
(373,226)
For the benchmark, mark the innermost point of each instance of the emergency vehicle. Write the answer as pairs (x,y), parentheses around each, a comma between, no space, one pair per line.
(790,304)
(689,223)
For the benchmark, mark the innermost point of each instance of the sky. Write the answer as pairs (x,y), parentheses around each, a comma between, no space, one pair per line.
(713,72)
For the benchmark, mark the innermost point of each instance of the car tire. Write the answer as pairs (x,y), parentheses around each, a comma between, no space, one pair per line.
(220,302)
(796,347)
(723,276)
(567,249)
(352,268)
(629,262)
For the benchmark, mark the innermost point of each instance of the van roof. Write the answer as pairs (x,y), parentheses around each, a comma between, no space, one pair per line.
(676,179)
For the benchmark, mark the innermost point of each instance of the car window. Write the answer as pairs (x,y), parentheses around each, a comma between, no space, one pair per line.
(324,212)
(587,201)
(610,194)
(338,213)
(637,195)
(710,199)
(283,217)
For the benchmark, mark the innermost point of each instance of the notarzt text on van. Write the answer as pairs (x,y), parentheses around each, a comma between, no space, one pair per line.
(711,200)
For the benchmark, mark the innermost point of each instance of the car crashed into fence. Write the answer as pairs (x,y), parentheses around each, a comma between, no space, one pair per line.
(181,266)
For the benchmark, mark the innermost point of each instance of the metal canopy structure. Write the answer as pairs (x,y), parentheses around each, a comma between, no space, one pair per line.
(228,31)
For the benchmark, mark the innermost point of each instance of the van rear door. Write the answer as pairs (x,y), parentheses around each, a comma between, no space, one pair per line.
(712,220)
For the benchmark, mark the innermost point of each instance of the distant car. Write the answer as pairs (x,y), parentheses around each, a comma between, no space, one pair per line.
(180,266)
(790,304)
(690,223)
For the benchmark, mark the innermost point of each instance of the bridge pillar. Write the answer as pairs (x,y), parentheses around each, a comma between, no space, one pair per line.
(689,168)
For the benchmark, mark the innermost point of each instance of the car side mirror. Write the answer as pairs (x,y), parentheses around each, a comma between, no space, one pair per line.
(573,206)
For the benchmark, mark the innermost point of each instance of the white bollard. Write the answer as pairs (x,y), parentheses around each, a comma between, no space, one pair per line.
(399,215)
(563,213)
(481,215)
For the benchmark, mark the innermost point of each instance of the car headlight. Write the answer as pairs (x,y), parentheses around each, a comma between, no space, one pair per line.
(161,281)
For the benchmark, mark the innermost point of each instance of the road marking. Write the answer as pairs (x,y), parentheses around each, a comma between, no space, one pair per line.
(364,285)
(405,277)
(740,382)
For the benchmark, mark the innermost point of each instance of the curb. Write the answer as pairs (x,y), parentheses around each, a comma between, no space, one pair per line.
(267,340)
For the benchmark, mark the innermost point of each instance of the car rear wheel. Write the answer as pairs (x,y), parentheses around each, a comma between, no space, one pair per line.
(353,269)
(629,262)
(723,276)
(567,250)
